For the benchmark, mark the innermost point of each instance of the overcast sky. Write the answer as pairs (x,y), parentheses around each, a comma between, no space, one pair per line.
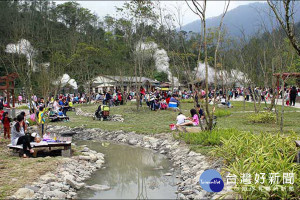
(214,8)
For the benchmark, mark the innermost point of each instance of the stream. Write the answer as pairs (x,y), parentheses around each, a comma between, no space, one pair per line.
(131,173)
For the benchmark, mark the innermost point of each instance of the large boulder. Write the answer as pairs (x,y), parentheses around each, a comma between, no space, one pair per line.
(55,194)
(74,184)
(97,187)
(24,193)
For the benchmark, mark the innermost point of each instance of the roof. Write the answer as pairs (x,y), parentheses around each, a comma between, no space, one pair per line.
(104,78)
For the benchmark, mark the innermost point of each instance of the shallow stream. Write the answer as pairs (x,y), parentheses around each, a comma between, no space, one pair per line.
(131,173)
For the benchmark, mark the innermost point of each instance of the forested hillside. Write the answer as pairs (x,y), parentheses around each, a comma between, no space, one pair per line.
(67,38)
(245,19)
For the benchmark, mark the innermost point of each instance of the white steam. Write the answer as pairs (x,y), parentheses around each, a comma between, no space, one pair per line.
(23,47)
(234,76)
(64,80)
(161,59)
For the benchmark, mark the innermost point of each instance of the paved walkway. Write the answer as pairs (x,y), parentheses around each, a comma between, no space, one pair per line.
(279,102)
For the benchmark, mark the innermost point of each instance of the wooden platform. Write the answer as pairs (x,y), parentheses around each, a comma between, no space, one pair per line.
(65,143)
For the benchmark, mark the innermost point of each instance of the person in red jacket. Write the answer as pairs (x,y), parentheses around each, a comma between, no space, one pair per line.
(6,124)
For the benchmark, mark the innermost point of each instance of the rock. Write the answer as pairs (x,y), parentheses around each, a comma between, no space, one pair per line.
(87,158)
(187,192)
(69,177)
(74,184)
(85,149)
(55,194)
(47,178)
(34,188)
(44,189)
(168,174)
(159,168)
(121,137)
(132,142)
(55,185)
(24,193)
(97,187)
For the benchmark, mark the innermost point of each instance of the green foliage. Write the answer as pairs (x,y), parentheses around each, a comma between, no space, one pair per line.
(32,123)
(260,153)
(187,101)
(222,113)
(207,138)
(160,76)
(263,117)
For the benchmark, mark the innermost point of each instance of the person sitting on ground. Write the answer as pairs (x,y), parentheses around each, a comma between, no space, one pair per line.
(19,137)
(193,121)
(173,99)
(180,118)
(224,102)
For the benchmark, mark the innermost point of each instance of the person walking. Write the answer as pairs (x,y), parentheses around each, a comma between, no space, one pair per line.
(293,95)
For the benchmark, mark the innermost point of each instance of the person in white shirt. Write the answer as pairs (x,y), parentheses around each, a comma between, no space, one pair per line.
(180,118)
(56,105)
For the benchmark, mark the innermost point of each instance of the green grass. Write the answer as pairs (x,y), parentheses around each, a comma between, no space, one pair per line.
(151,122)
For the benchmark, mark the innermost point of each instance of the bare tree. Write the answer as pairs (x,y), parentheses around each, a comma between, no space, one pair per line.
(286,19)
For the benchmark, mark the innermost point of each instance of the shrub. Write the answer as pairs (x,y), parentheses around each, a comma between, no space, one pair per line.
(31,123)
(261,153)
(222,113)
(263,117)
(207,138)
(187,101)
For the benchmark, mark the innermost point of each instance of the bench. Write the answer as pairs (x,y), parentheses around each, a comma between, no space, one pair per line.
(298,154)
(65,143)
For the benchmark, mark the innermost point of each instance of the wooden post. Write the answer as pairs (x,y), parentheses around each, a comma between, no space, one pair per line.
(7,94)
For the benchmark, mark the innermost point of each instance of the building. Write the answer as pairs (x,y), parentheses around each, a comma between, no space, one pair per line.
(104,83)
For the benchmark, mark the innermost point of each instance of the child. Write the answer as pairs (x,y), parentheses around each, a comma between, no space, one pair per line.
(60,112)
(6,124)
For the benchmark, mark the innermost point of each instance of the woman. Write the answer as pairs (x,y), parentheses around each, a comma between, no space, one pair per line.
(194,120)
(19,137)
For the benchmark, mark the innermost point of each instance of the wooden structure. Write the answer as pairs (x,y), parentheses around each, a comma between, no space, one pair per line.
(9,87)
(285,75)
(65,142)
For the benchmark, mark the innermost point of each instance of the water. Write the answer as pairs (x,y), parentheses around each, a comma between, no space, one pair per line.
(131,174)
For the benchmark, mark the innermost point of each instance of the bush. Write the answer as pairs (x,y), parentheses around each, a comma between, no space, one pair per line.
(222,113)
(207,138)
(263,117)
(31,123)
(263,153)
(187,101)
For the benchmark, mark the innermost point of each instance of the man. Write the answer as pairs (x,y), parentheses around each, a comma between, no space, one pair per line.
(293,95)
(200,112)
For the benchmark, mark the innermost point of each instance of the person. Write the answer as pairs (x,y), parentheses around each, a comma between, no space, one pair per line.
(6,125)
(56,105)
(19,137)
(41,118)
(1,115)
(293,95)
(180,118)
(200,112)
(25,122)
(193,121)
(20,98)
(65,107)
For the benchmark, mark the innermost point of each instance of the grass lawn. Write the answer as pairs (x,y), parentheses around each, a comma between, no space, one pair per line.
(146,121)
(17,172)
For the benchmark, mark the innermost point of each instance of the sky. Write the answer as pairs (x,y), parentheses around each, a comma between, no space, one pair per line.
(214,8)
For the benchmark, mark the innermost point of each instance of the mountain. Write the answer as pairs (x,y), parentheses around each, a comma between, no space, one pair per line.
(247,18)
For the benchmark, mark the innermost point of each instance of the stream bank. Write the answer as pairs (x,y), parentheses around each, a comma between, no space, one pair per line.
(190,164)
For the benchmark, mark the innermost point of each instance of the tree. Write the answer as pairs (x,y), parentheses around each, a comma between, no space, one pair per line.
(286,19)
